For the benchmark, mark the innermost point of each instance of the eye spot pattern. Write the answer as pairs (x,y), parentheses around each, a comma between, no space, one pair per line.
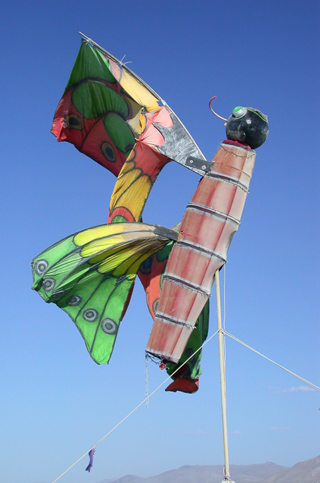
(58,294)
(109,326)
(155,305)
(41,266)
(90,315)
(48,284)
(74,300)
(108,151)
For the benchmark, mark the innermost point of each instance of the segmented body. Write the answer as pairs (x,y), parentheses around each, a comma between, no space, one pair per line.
(210,221)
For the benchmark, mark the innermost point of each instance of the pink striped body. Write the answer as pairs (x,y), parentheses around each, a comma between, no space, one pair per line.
(210,221)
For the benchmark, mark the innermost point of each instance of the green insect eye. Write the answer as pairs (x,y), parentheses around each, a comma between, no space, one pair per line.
(239,111)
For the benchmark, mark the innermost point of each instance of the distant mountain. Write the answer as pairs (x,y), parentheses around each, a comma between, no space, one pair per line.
(305,472)
(206,474)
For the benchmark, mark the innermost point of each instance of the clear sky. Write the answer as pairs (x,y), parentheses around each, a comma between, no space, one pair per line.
(55,401)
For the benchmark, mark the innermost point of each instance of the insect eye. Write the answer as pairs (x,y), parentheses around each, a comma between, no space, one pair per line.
(239,112)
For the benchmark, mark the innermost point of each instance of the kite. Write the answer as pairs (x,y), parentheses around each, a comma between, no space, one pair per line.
(112,116)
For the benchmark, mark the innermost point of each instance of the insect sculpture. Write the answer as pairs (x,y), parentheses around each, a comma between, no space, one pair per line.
(111,115)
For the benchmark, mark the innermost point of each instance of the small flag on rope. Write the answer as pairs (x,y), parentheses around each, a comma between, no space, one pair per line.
(91,453)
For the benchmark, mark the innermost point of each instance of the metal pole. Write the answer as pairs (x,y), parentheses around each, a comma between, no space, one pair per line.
(222,381)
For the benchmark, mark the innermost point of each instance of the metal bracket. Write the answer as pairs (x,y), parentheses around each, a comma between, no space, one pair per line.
(196,164)
(166,232)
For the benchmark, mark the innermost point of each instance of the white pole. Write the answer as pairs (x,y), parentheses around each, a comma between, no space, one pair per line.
(222,380)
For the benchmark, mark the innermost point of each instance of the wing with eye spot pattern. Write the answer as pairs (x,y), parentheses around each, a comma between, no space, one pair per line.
(89,275)
(106,108)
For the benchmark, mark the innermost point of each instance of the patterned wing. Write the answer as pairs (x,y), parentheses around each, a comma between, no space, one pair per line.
(134,184)
(106,108)
(94,111)
(89,275)
(112,116)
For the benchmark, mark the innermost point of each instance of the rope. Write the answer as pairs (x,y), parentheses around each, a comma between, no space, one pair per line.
(135,409)
(148,396)
(313,386)
(146,392)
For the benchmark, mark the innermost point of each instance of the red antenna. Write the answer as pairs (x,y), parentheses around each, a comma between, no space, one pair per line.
(220,117)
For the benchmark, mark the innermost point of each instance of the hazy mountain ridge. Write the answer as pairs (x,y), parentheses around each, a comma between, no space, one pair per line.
(304,472)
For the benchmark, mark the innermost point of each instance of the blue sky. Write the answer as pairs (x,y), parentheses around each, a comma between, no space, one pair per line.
(55,402)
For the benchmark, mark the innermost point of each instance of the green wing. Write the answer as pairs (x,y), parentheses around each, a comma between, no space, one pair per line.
(89,275)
